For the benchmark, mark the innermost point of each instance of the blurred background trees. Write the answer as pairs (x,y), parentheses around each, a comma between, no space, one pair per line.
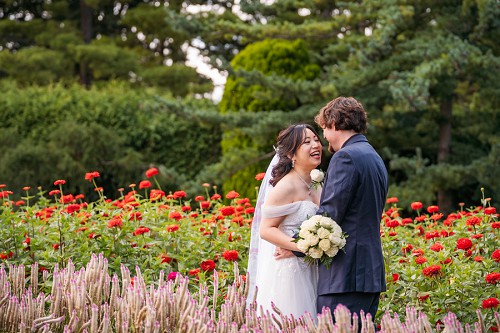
(103,85)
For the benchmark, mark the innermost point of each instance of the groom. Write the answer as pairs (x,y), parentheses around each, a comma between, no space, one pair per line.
(354,195)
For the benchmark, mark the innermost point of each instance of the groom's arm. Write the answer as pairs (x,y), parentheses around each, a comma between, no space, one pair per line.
(339,187)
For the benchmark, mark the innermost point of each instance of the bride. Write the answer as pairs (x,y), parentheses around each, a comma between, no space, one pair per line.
(286,199)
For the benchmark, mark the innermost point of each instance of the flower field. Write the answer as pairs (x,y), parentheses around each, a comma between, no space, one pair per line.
(198,247)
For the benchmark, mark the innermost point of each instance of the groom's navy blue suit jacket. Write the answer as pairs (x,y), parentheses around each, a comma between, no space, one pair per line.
(354,195)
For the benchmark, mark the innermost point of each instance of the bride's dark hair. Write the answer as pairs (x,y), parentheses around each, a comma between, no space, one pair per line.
(288,141)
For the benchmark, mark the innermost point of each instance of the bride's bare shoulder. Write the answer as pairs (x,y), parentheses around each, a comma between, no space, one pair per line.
(282,193)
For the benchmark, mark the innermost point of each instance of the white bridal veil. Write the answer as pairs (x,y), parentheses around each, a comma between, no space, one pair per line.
(261,251)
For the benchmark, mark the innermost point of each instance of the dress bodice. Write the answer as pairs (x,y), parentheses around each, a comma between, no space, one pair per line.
(295,212)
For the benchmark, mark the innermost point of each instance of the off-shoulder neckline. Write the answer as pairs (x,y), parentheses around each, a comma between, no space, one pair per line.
(293,203)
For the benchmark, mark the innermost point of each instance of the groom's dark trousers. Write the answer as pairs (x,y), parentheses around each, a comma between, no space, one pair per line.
(354,301)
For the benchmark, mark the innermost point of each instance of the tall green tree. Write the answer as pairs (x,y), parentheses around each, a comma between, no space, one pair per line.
(97,40)
(430,64)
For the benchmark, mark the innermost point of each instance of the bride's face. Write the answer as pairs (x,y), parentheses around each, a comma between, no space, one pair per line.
(309,152)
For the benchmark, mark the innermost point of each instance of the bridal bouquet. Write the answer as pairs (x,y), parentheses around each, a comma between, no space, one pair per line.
(320,238)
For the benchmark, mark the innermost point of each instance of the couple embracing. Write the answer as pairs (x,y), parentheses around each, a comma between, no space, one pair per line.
(353,195)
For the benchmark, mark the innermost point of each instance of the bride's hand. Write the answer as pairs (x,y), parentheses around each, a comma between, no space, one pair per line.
(280,253)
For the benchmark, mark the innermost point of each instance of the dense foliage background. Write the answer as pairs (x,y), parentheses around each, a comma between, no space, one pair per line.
(103,85)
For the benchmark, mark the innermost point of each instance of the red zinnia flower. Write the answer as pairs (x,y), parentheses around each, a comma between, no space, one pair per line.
(431,271)
(392,224)
(91,175)
(194,271)
(73,208)
(472,221)
(432,234)
(417,205)
(174,215)
(490,210)
(54,192)
(496,255)
(179,194)
(55,246)
(490,303)
(115,222)
(260,176)
(395,277)
(227,210)
(215,197)
(144,184)
(230,255)
(199,198)
(495,225)
(59,182)
(437,247)
(417,252)
(391,200)
(446,261)
(492,278)
(172,227)
(407,248)
(165,259)
(151,172)
(141,230)
(232,195)
(420,260)
(205,204)
(478,258)
(464,243)
(207,265)
(156,194)
(250,210)
(437,216)
(186,208)
(420,218)
(406,221)
(432,209)
(423,297)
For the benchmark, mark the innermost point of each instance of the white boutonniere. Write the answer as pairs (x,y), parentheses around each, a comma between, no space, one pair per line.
(317,178)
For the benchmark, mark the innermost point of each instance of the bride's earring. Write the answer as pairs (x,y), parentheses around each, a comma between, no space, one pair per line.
(293,163)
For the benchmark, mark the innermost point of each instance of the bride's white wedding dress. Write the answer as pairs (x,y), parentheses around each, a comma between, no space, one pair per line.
(289,283)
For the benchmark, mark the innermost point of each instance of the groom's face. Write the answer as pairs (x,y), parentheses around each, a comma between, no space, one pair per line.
(330,134)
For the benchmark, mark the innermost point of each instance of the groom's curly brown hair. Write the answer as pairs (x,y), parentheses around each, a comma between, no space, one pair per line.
(345,113)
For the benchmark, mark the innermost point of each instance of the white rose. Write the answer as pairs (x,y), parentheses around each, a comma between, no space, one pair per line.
(336,241)
(302,245)
(342,243)
(308,225)
(324,244)
(323,233)
(317,175)
(312,240)
(331,252)
(315,253)
(304,233)
(326,222)
(336,233)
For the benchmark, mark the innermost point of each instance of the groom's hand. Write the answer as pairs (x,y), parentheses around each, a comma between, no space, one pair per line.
(280,253)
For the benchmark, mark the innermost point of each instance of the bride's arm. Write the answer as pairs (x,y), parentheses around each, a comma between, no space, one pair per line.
(269,226)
